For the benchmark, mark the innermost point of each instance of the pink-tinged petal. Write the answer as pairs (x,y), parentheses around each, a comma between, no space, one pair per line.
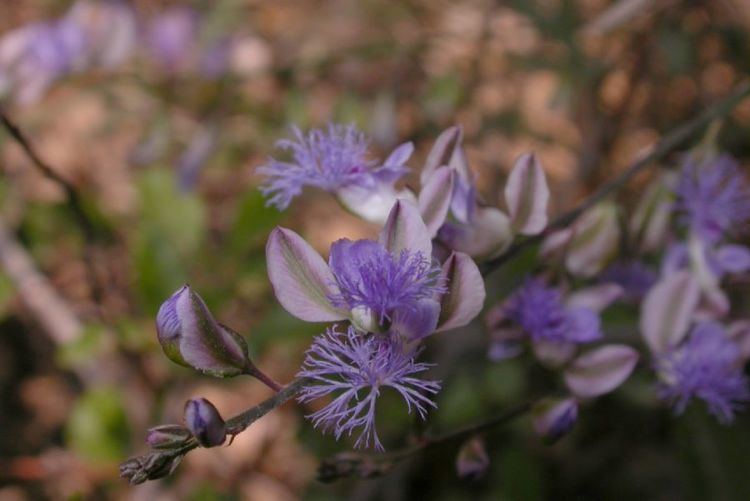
(435,199)
(418,323)
(553,355)
(465,297)
(488,236)
(733,258)
(595,298)
(600,371)
(527,195)
(597,235)
(446,151)
(668,310)
(300,278)
(400,155)
(556,243)
(405,230)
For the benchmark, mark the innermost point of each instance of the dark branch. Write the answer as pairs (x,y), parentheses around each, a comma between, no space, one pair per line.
(73,198)
(354,464)
(671,142)
(160,463)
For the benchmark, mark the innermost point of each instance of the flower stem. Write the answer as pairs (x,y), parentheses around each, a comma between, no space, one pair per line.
(253,371)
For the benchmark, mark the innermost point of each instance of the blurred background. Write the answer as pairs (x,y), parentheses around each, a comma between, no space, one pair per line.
(157,121)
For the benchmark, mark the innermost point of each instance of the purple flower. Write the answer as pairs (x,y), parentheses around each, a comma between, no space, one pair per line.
(333,159)
(172,37)
(542,314)
(392,284)
(36,55)
(369,276)
(354,367)
(707,366)
(713,198)
(634,277)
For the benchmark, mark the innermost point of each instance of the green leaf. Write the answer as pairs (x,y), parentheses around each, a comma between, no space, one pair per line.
(97,428)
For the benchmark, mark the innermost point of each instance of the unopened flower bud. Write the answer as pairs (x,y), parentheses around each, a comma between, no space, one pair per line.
(553,418)
(205,422)
(191,336)
(472,460)
(167,436)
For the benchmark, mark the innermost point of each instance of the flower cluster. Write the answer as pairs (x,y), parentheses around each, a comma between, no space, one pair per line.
(393,294)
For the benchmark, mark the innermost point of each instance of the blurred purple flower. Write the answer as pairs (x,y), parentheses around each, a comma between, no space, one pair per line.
(202,145)
(713,197)
(553,418)
(708,366)
(329,159)
(172,37)
(356,366)
(634,277)
(540,311)
(36,55)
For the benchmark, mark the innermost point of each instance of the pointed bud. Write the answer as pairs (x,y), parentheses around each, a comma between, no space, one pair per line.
(205,422)
(527,195)
(595,241)
(167,436)
(553,418)
(668,310)
(191,336)
(472,460)
(649,223)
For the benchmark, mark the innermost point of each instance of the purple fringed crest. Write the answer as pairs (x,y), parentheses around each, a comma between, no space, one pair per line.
(355,366)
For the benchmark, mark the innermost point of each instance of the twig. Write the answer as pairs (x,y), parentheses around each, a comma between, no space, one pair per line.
(353,464)
(670,142)
(159,463)
(74,200)
(42,300)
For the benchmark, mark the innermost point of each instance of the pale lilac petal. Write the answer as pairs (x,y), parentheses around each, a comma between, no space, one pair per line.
(668,310)
(372,204)
(600,371)
(733,258)
(595,298)
(419,322)
(488,236)
(442,152)
(405,230)
(435,199)
(400,155)
(465,297)
(527,195)
(300,278)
